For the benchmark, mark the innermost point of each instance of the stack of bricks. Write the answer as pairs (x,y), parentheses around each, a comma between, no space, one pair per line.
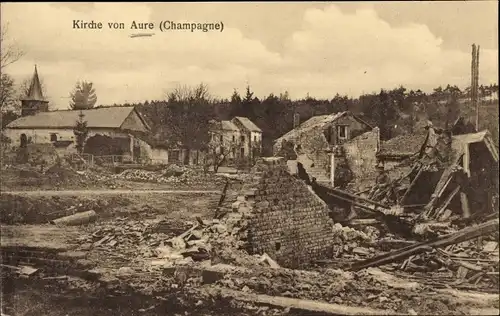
(284,218)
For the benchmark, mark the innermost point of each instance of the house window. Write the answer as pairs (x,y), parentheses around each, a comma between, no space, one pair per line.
(234,138)
(174,156)
(53,137)
(220,138)
(242,152)
(254,138)
(242,138)
(342,131)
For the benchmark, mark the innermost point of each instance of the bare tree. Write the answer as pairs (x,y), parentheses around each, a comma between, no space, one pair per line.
(7,93)
(220,147)
(187,116)
(10,53)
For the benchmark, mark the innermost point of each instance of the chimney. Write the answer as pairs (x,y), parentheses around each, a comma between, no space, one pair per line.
(34,102)
(296,120)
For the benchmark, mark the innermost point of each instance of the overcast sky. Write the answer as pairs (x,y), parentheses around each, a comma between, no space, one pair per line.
(314,48)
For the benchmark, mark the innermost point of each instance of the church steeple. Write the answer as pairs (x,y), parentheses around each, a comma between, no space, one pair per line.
(34,101)
(35,90)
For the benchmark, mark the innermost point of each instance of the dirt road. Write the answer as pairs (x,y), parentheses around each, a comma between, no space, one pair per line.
(104,192)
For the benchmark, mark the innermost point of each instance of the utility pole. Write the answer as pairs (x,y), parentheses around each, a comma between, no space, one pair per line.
(474,89)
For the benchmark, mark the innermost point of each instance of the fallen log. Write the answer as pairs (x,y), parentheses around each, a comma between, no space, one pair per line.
(294,303)
(441,241)
(76,219)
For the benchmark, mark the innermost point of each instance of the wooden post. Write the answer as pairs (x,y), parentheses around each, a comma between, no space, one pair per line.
(465,205)
(131,145)
(332,168)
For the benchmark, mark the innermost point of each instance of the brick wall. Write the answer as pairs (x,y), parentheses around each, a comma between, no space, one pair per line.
(285,218)
(361,155)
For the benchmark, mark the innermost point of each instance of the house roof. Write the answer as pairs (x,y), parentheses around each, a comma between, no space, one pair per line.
(402,145)
(105,117)
(248,124)
(35,89)
(483,136)
(319,121)
(229,126)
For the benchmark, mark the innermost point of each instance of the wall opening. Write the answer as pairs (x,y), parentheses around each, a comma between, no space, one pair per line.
(23,140)
(277,246)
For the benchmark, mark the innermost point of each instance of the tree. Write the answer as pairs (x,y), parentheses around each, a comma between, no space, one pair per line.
(83,96)
(10,53)
(81,132)
(187,117)
(8,98)
(384,113)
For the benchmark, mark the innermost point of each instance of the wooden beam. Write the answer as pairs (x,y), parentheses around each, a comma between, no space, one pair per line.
(441,241)
(354,203)
(357,197)
(447,201)
(466,160)
(332,168)
(295,303)
(411,185)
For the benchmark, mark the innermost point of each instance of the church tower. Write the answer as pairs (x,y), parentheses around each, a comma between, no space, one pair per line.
(34,102)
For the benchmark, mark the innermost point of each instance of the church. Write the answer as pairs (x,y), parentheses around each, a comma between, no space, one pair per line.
(112,130)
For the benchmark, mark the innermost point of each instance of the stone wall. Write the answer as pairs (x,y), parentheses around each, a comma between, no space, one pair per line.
(285,218)
(361,154)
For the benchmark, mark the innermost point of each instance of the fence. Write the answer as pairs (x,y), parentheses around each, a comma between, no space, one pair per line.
(112,159)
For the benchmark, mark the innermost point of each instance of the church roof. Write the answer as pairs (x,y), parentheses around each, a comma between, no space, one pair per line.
(105,117)
(35,90)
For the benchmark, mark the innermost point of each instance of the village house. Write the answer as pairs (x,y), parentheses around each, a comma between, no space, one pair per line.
(240,137)
(354,141)
(111,129)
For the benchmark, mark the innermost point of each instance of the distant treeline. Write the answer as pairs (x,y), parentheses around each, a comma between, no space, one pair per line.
(395,112)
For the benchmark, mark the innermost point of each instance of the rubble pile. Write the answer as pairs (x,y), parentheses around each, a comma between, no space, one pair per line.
(471,263)
(350,243)
(186,176)
(123,239)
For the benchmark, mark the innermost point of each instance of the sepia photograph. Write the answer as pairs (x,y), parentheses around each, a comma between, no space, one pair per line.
(249,158)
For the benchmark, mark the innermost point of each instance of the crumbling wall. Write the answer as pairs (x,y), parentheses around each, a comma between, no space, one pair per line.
(285,218)
(361,154)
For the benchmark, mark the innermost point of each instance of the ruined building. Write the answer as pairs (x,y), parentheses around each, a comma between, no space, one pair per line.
(353,141)
(283,216)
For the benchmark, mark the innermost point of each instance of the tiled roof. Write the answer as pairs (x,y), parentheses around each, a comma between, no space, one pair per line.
(105,117)
(248,124)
